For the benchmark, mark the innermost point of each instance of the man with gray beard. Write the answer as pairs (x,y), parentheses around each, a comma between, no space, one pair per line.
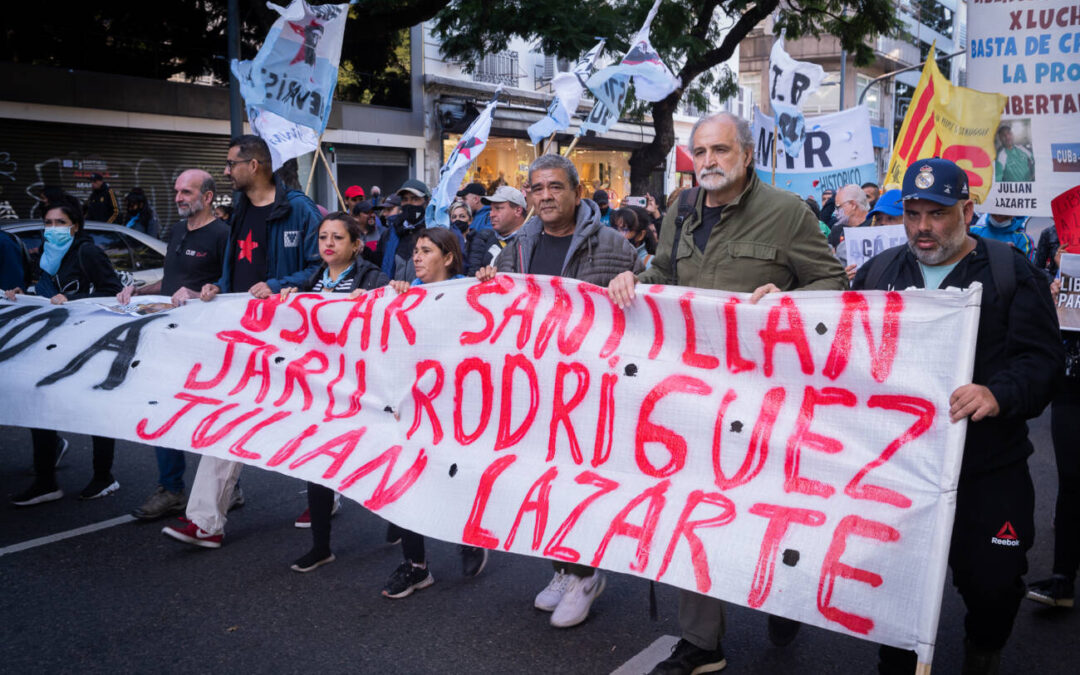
(746,237)
(195,256)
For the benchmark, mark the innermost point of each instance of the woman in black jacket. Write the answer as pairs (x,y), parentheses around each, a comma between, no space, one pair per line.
(342,271)
(72,268)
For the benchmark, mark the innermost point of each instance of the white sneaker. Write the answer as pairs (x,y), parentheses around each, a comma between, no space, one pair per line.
(574,606)
(548,599)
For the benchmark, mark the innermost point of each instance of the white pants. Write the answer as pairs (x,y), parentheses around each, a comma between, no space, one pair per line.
(211,493)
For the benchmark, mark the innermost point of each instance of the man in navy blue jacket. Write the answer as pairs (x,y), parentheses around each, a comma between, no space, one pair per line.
(274,242)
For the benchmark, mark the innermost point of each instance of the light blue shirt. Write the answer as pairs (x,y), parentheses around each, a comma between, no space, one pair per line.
(933,275)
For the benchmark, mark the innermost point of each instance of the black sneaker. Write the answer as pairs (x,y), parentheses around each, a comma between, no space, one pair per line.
(312,560)
(38,494)
(406,579)
(782,631)
(1057,591)
(99,487)
(689,659)
(473,560)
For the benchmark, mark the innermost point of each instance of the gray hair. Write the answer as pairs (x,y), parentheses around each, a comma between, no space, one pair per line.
(555,162)
(460,204)
(743,134)
(854,193)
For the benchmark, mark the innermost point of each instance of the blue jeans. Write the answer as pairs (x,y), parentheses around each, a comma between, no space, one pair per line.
(171,467)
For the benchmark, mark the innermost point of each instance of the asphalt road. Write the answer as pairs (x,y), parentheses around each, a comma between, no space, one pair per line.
(127,599)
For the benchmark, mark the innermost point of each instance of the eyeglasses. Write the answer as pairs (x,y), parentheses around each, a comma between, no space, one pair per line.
(230,163)
(843,203)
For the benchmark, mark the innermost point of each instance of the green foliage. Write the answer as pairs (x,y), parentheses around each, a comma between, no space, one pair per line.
(693,36)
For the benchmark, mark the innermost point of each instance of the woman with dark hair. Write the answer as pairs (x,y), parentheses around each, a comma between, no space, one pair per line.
(342,271)
(636,230)
(139,214)
(436,257)
(73,268)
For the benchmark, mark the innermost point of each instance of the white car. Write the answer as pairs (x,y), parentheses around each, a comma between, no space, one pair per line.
(137,257)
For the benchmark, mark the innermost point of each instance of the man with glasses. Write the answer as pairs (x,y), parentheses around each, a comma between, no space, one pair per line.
(851,209)
(272,244)
(194,258)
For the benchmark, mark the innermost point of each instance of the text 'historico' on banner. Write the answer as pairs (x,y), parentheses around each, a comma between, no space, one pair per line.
(794,456)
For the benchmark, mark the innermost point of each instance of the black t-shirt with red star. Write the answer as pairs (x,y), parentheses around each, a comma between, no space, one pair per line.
(249,263)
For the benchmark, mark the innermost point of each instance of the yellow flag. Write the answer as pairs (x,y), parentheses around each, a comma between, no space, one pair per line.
(953,123)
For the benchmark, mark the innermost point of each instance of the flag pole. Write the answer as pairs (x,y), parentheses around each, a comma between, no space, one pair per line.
(311,173)
(333,180)
(774,141)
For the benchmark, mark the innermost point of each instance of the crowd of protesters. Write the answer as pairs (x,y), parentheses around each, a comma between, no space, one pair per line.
(275,241)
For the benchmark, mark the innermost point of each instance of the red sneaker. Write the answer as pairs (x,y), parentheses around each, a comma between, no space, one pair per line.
(190,533)
(304,521)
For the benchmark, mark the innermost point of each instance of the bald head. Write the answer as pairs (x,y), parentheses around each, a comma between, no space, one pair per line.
(195,192)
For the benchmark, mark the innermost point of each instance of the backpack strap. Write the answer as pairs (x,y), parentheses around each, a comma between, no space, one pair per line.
(876,266)
(1002,269)
(687,203)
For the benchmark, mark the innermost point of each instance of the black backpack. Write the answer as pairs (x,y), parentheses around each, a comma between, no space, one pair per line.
(687,202)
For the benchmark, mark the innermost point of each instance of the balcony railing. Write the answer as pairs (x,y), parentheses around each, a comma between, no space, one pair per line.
(501,68)
(898,50)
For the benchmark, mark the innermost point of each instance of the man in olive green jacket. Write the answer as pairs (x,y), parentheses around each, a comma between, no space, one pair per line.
(743,236)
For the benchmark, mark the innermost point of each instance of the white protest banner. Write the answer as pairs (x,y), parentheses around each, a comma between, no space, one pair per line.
(1068,301)
(1028,51)
(794,456)
(789,82)
(864,243)
(838,150)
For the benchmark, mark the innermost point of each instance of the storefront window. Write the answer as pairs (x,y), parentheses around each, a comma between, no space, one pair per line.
(607,169)
(505,161)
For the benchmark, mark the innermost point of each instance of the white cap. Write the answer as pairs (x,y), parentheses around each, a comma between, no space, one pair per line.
(505,193)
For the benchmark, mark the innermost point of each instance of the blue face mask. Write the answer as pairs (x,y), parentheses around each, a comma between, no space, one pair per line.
(57,242)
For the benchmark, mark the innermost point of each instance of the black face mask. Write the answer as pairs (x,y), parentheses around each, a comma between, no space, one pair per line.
(460,224)
(603,209)
(413,214)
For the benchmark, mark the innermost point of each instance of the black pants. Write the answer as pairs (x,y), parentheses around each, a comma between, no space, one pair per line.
(412,544)
(993,530)
(320,501)
(1065,429)
(47,444)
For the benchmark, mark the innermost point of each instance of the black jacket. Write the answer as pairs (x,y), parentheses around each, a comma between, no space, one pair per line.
(367,276)
(481,247)
(1018,352)
(101,205)
(1045,251)
(84,272)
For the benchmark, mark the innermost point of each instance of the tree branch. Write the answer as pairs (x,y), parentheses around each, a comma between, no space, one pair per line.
(694,67)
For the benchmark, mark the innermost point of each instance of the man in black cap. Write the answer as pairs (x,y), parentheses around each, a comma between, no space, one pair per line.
(1018,359)
(394,251)
(391,206)
(473,194)
(101,205)
(601,199)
